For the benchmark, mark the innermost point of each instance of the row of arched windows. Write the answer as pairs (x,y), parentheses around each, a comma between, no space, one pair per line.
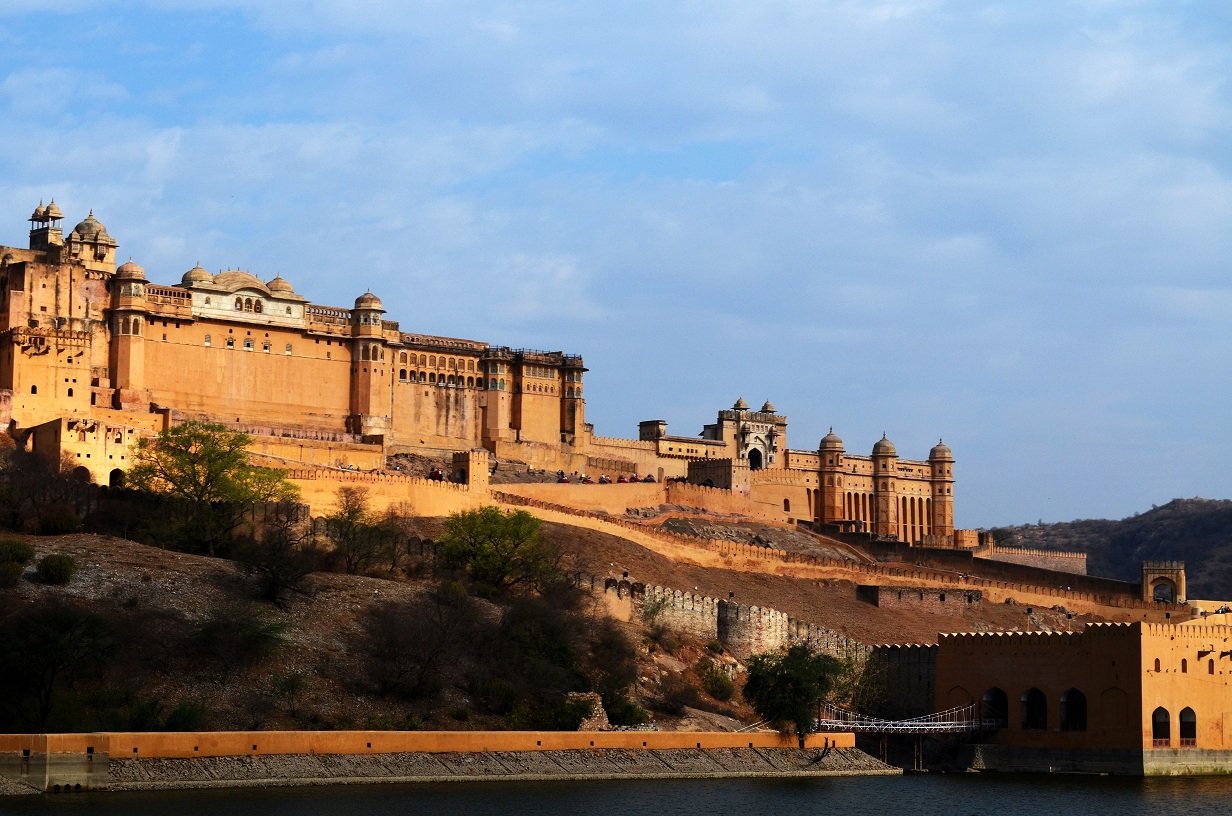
(127,325)
(1033,709)
(250,305)
(432,361)
(1161,728)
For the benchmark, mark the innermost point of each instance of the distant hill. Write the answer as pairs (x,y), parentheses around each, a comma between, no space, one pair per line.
(1196,531)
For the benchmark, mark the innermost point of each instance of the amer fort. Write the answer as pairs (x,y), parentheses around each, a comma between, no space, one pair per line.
(94,356)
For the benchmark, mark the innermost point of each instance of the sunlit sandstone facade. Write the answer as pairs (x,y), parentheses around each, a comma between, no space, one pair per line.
(1122,698)
(93,355)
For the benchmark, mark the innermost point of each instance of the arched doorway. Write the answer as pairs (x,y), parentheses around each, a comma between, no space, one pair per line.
(1161,728)
(1189,728)
(755,459)
(81,474)
(116,478)
(1073,711)
(1034,707)
(1164,590)
(994,705)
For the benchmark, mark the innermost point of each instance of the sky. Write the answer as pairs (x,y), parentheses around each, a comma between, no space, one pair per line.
(1001,224)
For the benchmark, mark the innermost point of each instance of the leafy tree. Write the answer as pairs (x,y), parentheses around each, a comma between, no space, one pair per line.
(282,555)
(786,689)
(500,550)
(408,645)
(358,536)
(205,466)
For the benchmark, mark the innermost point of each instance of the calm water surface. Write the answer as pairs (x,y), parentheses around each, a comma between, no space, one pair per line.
(952,795)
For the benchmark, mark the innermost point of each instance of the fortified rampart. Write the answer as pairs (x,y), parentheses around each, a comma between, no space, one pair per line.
(1054,560)
(919,598)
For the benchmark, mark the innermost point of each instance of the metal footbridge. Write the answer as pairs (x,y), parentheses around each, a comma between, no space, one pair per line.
(963,719)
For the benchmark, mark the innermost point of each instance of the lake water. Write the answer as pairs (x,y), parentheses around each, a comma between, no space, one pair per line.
(952,795)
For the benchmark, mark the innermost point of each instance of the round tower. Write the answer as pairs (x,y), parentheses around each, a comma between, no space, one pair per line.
(885,488)
(830,452)
(941,465)
(128,327)
(369,381)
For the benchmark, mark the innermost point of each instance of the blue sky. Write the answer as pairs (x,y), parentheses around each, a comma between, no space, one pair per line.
(1004,224)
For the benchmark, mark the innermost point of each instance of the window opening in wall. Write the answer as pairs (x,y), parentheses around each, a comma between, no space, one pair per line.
(1073,711)
(70,392)
(1189,728)
(239,304)
(34,389)
(1161,728)
(1184,666)
(1157,664)
(208,341)
(1034,707)
(288,349)
(230,342)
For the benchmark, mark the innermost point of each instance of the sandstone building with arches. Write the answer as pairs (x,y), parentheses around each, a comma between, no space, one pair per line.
(94,355)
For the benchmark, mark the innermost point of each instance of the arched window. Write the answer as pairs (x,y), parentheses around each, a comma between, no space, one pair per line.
(208,340)
(1034,708)
(239,304)
(402,374)
(247,344)
(1184,666)
(423,359)
(1161,728)
(207,300)
(116,478)
(1189,728)
(257,307)
(248,304)
(423,376)
(994,705)
(265,347)
(230,342)
(288,310)
(786,505)
(288,349)
(451,378)
(470,365)
(1073,711)
(363,352)
(70,392)
(402,358)
(432,361)
(501,385)
(1157,664)
(492,383)
(34,389)
(470,382)
(432,377)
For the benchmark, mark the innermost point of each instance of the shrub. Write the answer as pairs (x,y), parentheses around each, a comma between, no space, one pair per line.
(715,681)
(188,715)
(16,552)
(10,574)
(57,568)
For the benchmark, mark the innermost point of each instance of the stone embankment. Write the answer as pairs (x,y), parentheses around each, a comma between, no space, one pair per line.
(337,769)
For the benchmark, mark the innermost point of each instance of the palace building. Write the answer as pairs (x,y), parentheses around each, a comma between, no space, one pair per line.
(93,356)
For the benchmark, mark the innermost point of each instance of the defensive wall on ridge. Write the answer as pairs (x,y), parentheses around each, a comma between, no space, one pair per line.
(906,671)
(1055,560)
(927,567)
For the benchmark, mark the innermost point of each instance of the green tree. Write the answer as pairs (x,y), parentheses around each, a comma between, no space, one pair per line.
(359,537)
(206,467)
(500,550)
(786,689)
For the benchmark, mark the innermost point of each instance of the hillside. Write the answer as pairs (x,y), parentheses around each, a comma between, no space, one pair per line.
(1196,531)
